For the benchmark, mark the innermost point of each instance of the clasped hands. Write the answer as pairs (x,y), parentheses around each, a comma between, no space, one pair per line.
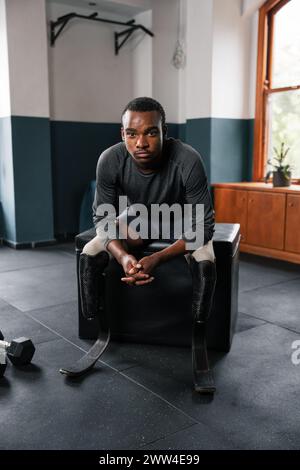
(138,273)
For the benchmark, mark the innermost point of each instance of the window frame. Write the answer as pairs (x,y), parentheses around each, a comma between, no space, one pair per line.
(264,85)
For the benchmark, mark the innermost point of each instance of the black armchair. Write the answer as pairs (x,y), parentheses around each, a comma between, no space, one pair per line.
(160,312)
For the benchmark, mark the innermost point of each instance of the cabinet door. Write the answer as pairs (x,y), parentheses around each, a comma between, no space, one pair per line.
(266,214)
(292,234)
(231,207)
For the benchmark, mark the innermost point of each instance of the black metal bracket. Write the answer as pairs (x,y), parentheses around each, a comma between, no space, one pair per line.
(57,26)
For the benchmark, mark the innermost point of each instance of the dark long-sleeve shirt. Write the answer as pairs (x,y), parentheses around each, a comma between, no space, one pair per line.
(180,179)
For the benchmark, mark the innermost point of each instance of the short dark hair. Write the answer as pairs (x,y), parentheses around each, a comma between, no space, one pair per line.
(145,103)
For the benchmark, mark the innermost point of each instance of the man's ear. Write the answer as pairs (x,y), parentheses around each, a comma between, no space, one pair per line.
(122,133)
(165,130)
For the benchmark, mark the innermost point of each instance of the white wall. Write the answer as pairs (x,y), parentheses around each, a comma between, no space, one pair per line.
(231,60)
(143,4)
(199,38)
(219,80)
(182,28)
(88,82)
(249,7)
(4,70)
(165,75)
(27,56)
(141,46)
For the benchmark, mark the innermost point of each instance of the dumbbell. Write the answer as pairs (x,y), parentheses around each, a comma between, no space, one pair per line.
(19,351)
(3,363)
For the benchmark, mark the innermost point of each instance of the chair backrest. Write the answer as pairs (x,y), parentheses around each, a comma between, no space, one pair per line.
(86,213)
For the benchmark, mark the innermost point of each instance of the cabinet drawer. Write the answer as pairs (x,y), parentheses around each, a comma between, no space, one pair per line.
(292,233)
(266,214)
(231,207)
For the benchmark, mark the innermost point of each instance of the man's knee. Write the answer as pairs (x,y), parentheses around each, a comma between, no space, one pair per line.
(204,253)
(94,247)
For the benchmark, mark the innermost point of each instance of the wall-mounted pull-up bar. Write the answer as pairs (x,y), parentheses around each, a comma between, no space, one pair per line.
(57,26)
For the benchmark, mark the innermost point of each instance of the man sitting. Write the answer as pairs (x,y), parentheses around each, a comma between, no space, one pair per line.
(152,171)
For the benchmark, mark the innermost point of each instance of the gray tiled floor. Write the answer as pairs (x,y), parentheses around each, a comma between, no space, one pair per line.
(140,396)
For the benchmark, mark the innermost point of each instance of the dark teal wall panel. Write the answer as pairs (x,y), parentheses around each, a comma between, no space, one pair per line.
(229,150)
(7,195)
(225,146)
(182,132)
(48,191)
(32,179)
(173,130)
(198,135)
(76,147)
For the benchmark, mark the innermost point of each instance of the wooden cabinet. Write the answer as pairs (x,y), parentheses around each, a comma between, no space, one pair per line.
(231,205)
(269,217)
(266,219)
(292,231)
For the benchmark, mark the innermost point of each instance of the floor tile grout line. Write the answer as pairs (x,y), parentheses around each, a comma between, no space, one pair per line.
(25,268)
(159,396)
(274,263)
(269,285)
(42,308)
(37,308)
(69,254)
(168,435)
(250,328)
(249,315)
(9,304)
(269,322)
(131,367)
(53,331)
(117,371)
(45,341)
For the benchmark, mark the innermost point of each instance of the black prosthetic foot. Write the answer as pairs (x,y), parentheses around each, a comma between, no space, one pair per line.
(86,362)
(92,291)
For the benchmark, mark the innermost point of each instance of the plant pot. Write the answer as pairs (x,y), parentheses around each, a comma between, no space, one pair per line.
(281,179)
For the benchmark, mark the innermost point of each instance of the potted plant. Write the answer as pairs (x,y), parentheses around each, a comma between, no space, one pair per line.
(281,170)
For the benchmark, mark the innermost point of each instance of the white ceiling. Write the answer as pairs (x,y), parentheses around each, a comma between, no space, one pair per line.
(119,7)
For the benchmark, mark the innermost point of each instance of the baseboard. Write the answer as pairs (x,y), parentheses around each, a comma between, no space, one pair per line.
(270,253)
(22,245)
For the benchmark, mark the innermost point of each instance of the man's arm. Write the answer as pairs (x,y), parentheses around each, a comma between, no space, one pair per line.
(148,263)
(196,192)
(106,193)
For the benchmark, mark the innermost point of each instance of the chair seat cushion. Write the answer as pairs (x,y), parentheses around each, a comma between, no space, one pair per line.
(225,239)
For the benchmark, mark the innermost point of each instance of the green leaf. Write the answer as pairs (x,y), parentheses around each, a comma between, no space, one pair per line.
(268,176)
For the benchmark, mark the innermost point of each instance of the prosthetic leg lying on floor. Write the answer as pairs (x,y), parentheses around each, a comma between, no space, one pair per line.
(92,289)
(204,281)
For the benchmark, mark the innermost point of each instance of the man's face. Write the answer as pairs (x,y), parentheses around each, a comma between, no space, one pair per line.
(143,136)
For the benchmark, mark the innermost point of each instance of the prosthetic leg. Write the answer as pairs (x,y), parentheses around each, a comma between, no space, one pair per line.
(204,281)
(92,289)
(91,285)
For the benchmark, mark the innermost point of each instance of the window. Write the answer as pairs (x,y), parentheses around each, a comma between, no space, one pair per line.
(277,117)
